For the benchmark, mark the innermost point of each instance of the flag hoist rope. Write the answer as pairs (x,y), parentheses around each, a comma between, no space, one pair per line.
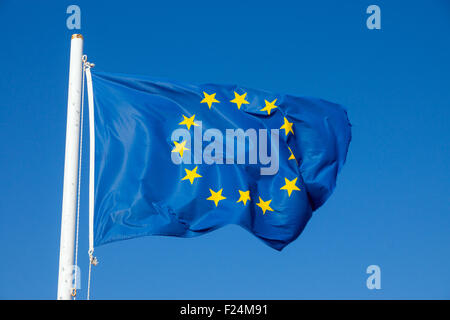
(92,260)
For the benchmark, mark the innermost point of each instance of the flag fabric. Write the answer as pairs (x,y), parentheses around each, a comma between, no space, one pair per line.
(182,160)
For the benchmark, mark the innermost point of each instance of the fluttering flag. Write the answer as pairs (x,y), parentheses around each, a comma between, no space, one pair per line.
(182,160)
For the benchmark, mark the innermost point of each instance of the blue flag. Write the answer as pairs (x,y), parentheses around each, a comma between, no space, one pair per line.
(182,160)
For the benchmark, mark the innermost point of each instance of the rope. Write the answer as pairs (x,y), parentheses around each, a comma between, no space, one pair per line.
(92,260)
(74,289)
(89,281)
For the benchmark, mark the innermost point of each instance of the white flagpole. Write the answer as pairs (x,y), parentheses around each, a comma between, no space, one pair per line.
(66,253)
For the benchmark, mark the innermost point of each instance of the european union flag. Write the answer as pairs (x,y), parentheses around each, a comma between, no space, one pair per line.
(181,160)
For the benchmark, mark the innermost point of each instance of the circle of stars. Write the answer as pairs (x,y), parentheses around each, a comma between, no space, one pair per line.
(244,196)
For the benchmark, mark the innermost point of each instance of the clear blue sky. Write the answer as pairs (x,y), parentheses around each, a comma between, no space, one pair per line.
(391,206)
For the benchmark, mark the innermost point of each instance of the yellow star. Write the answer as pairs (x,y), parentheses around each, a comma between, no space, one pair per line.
(269,106)
(287,126)
(290,186)
(180,147)
(188,121)
(239,99)
(191,175)
(264,205)
(209,99)
(216,196)
(292,157)
(244,196)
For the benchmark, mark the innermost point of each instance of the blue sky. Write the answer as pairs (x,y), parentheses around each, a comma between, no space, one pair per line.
(390,208)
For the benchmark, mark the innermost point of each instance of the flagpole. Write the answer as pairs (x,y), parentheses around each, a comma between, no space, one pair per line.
(70,186)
